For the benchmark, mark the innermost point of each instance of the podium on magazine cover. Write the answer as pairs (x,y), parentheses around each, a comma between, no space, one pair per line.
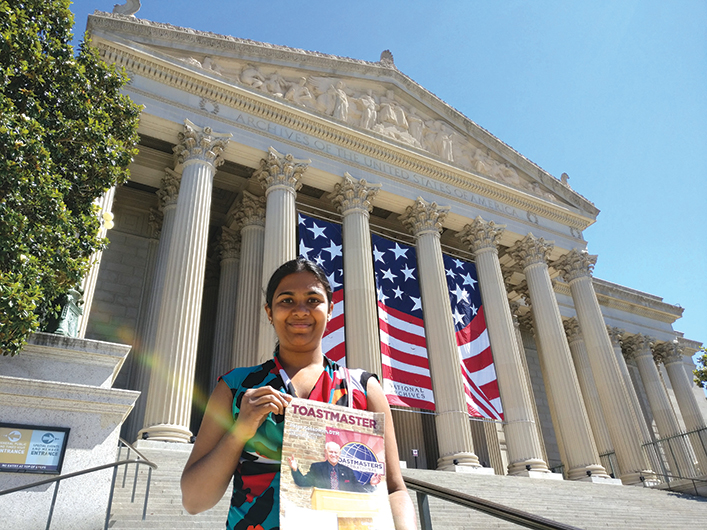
(355,511)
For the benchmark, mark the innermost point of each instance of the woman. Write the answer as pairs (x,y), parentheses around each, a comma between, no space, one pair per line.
(241,434)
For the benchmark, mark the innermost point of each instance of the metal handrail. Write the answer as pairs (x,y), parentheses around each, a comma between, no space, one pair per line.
(113,465)
(678,477)
(513,515)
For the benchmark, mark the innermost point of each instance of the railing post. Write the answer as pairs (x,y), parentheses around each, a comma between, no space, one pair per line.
(423,507)
(51,508)
(147,493)
(125,471)
(110,497)
(137,468)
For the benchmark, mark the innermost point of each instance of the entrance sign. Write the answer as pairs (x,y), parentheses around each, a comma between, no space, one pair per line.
(333,472)
(32,448)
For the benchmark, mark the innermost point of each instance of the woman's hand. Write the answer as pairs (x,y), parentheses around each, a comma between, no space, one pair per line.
(256,404)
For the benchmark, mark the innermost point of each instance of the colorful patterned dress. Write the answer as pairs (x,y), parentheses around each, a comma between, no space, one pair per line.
(255,503)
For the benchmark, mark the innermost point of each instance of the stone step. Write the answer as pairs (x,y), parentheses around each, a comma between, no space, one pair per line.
(581,504)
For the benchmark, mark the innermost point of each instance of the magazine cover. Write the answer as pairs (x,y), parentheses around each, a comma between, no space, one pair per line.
(333,474)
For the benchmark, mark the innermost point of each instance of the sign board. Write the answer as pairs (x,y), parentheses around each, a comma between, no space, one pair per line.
(32,448)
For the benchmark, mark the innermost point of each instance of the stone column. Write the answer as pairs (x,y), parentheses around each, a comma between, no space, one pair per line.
(223,358)
(615,336)
(675,449)
(690,410)
(280,177)
(571,416)
(353,199)
(172,380)
(576,267)
(424,221)
(88,285)
(515,308)
(250,218)
(524,448)
(163,219)
(589,389)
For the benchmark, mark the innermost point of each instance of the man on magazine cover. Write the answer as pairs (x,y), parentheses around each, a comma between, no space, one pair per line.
(330,474)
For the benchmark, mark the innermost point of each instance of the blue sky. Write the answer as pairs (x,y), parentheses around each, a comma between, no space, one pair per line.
(610,92)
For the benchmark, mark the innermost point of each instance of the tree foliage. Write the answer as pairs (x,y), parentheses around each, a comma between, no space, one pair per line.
(66,136)
(701,371)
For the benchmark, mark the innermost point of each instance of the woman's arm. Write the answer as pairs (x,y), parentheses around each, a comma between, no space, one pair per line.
(400,503)
(218,446)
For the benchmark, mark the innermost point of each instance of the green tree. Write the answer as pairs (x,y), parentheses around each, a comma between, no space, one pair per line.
(701,371)
(67,135)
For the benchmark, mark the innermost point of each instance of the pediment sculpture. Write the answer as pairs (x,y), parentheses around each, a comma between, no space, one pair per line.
(378,110)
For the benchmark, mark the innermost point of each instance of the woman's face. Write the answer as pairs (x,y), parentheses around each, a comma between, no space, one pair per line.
(300,311)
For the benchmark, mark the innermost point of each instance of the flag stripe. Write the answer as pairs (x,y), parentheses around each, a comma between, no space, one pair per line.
(405,366)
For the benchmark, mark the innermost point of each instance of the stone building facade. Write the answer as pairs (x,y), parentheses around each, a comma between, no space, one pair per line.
(238,136)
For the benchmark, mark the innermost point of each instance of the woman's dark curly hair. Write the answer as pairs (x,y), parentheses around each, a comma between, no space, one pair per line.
(299,264)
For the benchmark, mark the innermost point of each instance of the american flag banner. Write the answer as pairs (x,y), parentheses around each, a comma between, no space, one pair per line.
(321,242)
(482,395)
(406,370)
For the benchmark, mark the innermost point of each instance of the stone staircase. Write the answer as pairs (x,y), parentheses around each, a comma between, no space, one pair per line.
(164,506)
(581,504)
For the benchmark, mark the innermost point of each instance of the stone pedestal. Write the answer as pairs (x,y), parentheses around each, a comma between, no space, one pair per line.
(65,382)
(522,440)
(353,199)
(280,176)
(452,421)
(570,416)
(168,412)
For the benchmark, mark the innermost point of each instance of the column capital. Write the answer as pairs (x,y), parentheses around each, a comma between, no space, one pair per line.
(674,354)
(531,250)
(280,171)
(230,243)
(662,351)
(200,144)
(168,193)
(423,217)
(575,264)
(638,345)
(155,221)
(572,329)
(481,235)
(526,321)
(616,335)
(251,211)
(354,195)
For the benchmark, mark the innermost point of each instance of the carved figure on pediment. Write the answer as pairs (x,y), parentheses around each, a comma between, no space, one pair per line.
(298,93)
(325,100)
(341,101)
(392,113)
(537,190)
(191,61)
(210,64)
(481,162)
(439,138)
(416,127)
(252,77)
(275,85)
(369,110)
